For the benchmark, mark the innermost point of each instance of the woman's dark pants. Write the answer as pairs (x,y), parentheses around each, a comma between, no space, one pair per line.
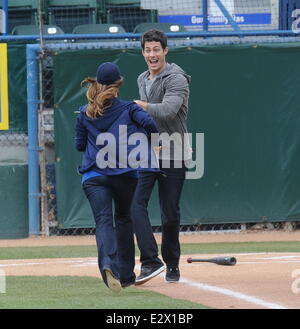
(114,233)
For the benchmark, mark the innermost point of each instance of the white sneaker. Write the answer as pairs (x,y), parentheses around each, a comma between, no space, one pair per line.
(112,282)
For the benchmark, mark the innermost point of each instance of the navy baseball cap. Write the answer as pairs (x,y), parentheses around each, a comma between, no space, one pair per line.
(108,73)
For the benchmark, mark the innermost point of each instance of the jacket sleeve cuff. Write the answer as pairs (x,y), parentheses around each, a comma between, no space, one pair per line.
(152,109)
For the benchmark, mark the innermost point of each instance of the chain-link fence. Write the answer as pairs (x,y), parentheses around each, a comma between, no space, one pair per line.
(47,143)
(196,229)
(226,15)
(13,145)
(193,15)
(50,224)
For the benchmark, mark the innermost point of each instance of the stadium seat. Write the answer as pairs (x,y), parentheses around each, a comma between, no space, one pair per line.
(123,2)
(99,29)
(69,13)
(34,29)
(22,12)
(23,3)
(165,27)
(128,15)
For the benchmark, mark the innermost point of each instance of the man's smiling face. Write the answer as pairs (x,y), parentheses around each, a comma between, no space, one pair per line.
(155,56)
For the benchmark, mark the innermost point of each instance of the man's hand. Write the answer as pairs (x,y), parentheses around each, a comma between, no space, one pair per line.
(141,104)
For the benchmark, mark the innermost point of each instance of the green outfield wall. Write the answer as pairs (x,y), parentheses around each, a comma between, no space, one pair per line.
(246,101)
(17,86)
(13,201)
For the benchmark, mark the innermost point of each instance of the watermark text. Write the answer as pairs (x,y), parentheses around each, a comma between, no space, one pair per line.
(158,151)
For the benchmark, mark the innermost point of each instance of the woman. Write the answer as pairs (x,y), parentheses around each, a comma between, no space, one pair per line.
(103,128)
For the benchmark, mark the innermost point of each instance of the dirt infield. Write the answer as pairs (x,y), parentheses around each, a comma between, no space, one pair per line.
(184,238)
(258,280)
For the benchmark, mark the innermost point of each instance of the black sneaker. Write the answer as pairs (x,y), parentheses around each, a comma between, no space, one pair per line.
(173,274)
(149,272)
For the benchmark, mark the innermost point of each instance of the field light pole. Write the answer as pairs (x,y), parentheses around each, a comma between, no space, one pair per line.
(33,145)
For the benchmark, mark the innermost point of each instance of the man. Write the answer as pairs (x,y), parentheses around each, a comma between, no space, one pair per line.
(164,93)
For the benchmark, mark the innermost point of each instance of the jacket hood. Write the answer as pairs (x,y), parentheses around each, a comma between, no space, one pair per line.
(109,117)
(170,69)
(174,68)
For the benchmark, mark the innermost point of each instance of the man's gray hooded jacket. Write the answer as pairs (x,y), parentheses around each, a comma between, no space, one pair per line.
(168,103)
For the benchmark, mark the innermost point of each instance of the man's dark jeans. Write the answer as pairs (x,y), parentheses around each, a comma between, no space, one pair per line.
(169,188)
(114,234)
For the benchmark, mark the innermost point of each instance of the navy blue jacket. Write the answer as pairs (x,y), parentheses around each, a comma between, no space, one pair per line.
(90,132)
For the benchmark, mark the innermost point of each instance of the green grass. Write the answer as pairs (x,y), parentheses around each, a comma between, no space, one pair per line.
(68,292)
(47,252)
(241,247)
(186,249)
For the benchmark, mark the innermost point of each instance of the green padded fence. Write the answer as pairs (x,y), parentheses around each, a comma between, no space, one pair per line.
(245,99)
(13,201)
(17,86)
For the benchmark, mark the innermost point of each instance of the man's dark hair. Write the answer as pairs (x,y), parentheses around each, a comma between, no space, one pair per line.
(154,35)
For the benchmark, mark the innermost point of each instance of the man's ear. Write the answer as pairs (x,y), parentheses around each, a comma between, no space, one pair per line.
(166,50)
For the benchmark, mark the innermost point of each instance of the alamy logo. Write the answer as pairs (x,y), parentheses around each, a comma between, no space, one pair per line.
(138,151)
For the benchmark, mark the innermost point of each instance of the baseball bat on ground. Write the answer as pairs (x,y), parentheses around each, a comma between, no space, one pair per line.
(228,260)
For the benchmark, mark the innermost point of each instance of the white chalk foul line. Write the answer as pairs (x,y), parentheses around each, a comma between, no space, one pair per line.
(282,257)
(234,294)
(41,263)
